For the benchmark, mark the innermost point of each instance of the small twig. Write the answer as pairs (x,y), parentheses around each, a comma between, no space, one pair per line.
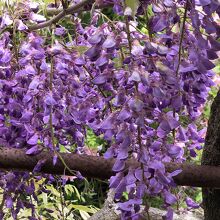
(180,54)
(148,25)
(51,90)
(64,4)
(128,34)
(63,13)
(181,37)
(62,201)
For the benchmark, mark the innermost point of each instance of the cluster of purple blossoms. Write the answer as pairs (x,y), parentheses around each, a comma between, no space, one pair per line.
(141,92)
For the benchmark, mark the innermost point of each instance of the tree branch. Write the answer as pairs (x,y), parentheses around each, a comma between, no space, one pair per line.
(98,167)
(55,11)
(182,36)
(63,13)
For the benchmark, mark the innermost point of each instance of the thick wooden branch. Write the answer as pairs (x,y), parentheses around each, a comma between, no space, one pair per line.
(55,11)
(98,167)
(62,14)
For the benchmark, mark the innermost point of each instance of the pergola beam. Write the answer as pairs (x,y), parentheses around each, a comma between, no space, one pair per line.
(98,167)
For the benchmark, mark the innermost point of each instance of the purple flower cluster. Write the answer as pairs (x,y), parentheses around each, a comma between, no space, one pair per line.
(142,93)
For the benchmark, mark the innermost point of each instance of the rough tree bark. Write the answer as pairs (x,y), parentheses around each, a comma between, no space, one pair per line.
(98,167)
(211,156)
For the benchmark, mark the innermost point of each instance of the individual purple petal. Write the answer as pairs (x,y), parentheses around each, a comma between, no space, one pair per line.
(164,125)
(26,116)
(33,140)
(95,39)
(157,165)
(120,99)
(204,2)
(176,102)
(173,123)
(107,124)
(109,153)
(21,26)
(158,8)
(168,3)
(33,150)
(215,44)
(34,83)
(136,105)
(187,68)
(174,151)
(120,189)
(156,145)
(175,173)
(118,9)
(170,199)
(55,157)
(99,80)
(37,17)
(60,31)
(93,53)
(9,203)
(119,165)
(139,174)
(155,186)
(207,63)
(80,61)
(79,176)
(130,178)
(123,149)
(192,153)
(163,179)
(30,70)
(33,5)
(123,153)
(124,114)
(39,165)
(6,20)
(115,180)
(137,50)
(135,77)
(49,100)
(169,214)
(161,133)
(182,134)
(144,157)
(109,43)
(158,93)
(6,57)
(212,55)
(203,43)
(161,24)
(128,206)
(141,190)
(101,61)
(162,50)
(191,204)
(209,25)
(128,11)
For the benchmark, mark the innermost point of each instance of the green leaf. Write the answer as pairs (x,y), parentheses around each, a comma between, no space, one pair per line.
(77,192)
(133,4)
(84,215)
(69,189)
(83,208)
(81,49)
(44,197)
(53,191)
